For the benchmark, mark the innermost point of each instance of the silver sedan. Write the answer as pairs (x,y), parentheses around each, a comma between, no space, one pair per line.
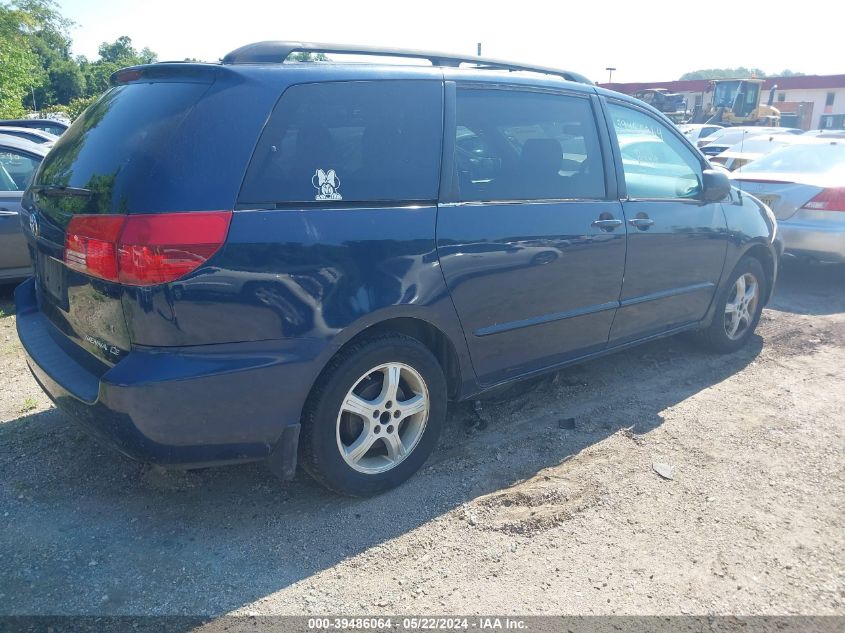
(19,159)
(804,185)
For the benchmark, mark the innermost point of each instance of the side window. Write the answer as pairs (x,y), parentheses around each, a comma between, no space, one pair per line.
(513,145)
(16,170)
(656,163)
(353,141)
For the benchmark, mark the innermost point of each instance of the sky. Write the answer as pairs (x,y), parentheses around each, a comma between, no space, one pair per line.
(645,40)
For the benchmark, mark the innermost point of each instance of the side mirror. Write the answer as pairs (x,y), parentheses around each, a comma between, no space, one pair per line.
(716,185)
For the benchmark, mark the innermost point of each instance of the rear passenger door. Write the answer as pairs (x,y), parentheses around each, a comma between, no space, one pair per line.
(530,238)
(676,240)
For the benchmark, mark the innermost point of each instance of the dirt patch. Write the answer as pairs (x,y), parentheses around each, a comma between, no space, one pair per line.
(530,507)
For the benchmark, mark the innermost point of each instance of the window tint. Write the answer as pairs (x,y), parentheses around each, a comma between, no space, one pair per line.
(115,146)
(522,145)
(351,141)
(657,164)
(16,170)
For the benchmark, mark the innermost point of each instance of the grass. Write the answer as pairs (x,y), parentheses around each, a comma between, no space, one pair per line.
(28,405)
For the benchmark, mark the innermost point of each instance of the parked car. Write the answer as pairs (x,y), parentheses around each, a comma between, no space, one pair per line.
(719,142)
(30,134)
(825,133)
(53,126)
(805,187)
(330,252)
(754,147)
(19,159)
(696,132)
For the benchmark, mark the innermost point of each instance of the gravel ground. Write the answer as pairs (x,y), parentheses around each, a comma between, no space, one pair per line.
(513,514)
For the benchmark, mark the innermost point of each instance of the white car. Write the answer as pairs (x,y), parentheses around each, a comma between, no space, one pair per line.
(698,131)
(754,147)
(720,141)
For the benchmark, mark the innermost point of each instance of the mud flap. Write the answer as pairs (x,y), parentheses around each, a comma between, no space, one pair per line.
(282,460)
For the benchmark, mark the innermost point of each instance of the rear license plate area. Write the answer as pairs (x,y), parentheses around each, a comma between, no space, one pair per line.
(51,278)
(769,201)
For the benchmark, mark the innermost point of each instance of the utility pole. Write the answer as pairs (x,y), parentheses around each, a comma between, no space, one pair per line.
(610,70)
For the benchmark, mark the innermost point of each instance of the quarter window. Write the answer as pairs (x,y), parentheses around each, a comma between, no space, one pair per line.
(350,141)
(656,163)
(16,170)
(513,145)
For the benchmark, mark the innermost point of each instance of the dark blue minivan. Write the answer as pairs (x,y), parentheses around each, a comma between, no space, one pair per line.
(303,262)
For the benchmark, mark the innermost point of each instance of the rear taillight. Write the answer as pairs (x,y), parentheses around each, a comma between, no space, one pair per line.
(143,250)
(828,200)
(91,244)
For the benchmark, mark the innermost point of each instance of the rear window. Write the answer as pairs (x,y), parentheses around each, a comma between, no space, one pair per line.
(115,146)
(827,159)
(349,142)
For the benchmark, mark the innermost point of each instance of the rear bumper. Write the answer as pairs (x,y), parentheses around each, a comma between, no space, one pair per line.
(189,406)
(810,239)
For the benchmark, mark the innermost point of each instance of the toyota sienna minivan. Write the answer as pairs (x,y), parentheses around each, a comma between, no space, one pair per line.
(304,262)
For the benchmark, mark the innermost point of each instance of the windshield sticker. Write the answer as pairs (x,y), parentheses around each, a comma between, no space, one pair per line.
(326,183)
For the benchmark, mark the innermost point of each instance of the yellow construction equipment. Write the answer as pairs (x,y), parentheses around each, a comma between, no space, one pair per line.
(737,102)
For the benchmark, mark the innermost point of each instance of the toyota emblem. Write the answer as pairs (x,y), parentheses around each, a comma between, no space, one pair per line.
(33,224)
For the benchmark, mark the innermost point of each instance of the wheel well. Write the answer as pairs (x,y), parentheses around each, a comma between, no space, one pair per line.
(764,256)
(430,336)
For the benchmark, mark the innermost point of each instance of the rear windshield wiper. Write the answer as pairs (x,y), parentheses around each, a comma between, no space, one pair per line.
(63,190)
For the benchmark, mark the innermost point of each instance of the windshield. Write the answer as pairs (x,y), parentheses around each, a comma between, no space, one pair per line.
(725,94)
(828,159)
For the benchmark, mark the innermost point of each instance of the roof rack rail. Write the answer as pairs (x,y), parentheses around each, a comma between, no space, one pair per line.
(277,52)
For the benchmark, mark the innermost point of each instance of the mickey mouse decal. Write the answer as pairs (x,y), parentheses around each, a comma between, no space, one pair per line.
(326,183)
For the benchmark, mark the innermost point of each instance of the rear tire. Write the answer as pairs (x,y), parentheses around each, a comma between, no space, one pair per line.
(737,309)
(374,416)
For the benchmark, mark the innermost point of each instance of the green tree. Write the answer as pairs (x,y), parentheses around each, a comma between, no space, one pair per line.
(97,75)
(725,73)
(123,53)
(47,35)
(306,56)
(119,51)
(66,81)
(37,70)
(18,64)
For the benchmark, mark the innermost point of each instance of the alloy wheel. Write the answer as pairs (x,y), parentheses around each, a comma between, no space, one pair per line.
(382,418)
(741,306)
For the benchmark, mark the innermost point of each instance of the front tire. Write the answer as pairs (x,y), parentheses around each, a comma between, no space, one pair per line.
(374,416)
(738,308)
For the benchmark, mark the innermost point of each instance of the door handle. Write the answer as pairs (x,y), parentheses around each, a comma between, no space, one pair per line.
(641,223)
(606,225)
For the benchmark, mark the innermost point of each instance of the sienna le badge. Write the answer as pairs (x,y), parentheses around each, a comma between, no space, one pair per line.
(326,183)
